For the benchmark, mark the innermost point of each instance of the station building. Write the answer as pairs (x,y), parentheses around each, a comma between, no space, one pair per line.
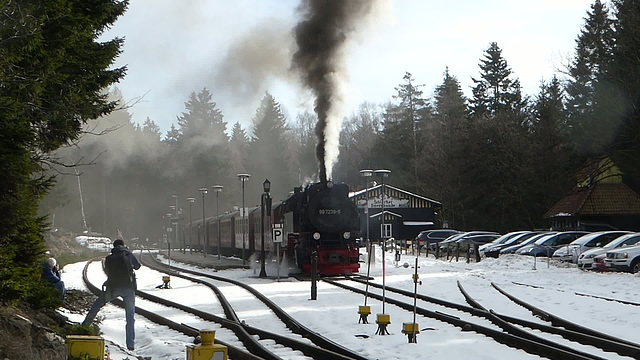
(599,201)
(405,213)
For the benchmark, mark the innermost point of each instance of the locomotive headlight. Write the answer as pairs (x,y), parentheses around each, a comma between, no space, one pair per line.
(346,235)
(329,184)
(316,235)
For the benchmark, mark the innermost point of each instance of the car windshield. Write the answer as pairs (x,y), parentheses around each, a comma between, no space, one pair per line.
(586,238)
(506,237)
(539,240)
(519,238)
(629,239)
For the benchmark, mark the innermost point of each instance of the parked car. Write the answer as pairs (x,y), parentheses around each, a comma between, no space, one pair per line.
(429,237)
(586,259)
(451,240)
(547,246)
(469,241)
(515,247)
(584,243)
(624,259)
(500,243)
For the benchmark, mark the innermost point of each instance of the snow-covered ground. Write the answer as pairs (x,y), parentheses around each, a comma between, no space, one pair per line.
(334,313)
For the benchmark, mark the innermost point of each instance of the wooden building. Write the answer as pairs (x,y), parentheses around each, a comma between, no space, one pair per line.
(599,201)
(405,213)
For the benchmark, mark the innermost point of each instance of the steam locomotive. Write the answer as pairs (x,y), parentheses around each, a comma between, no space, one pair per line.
(317,221)
(322,221)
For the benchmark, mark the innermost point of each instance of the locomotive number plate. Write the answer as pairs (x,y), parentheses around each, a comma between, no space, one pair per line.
(329,212)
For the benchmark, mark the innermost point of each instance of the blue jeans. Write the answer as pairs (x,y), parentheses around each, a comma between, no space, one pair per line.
(61,289)
(129,298)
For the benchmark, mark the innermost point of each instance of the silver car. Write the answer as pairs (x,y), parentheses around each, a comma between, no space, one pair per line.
(585,260)
(578,246)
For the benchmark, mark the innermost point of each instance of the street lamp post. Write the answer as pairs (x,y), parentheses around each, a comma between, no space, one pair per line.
(205,241)
(191,201)
(367,174)
(383,174)
(217,189)
(265,199)
(169,229)
(177,220)
(243,178)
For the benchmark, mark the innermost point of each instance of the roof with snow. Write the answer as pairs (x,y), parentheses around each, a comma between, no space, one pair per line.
(375,188)
(597,199)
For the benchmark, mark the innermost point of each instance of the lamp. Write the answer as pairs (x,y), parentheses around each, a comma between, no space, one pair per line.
(383,174)
(243,178)
(366,174)
(191,200)
(265,199)
(205,239)
(217,189)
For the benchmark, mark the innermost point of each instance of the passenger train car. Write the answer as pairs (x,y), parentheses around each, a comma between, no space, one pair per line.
(319,220)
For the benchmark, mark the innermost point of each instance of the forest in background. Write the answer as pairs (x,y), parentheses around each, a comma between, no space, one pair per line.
(497,160)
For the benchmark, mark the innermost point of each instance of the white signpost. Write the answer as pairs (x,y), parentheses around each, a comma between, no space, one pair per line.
(277,236)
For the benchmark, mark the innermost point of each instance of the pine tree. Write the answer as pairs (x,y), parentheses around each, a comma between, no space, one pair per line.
(268,148)
(357,141)
(203,145)
(304,141)
(591,98)
(238,147)
(496,147)
(444,155)
(552,153)
(625,148)
(52,71)
(401,140)
(495,91)
(172,137)
(202,120)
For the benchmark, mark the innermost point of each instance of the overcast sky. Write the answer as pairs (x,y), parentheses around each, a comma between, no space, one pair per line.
(240,49)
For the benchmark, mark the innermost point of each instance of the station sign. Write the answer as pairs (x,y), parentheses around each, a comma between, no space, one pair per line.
(278,235)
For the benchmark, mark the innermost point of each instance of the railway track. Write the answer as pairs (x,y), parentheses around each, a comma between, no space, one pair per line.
(320,347)
(253,349)
(234,351)
(583,294)
(511,330)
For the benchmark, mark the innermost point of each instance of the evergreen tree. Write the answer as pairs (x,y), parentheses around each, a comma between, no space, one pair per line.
(401,140)
(238,147)
(495,91)
(203,120)
(494,190)
(590,95)
(151,129)
(552,153)
(444,156)
(172,137)
(203,146)
(304,155)
(357,140)
(268,149)
(52,71)
(625,148)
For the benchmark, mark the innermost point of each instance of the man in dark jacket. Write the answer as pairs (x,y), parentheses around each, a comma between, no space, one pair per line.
(51,273)
(120,282)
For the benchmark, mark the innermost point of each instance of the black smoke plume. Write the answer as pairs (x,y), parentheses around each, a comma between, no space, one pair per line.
(321,37)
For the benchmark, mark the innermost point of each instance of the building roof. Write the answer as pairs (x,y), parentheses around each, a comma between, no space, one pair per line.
(597,199)
(373,188)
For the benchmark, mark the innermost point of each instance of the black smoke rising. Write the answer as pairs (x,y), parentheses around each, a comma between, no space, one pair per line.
(321,38)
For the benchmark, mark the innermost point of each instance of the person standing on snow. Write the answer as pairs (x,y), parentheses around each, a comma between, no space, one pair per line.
(51,273)
(121,282)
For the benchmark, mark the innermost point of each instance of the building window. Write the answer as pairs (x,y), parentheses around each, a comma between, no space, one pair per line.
(386,231)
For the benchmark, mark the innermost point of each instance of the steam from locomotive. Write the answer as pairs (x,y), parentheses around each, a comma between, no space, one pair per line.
(321,39)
